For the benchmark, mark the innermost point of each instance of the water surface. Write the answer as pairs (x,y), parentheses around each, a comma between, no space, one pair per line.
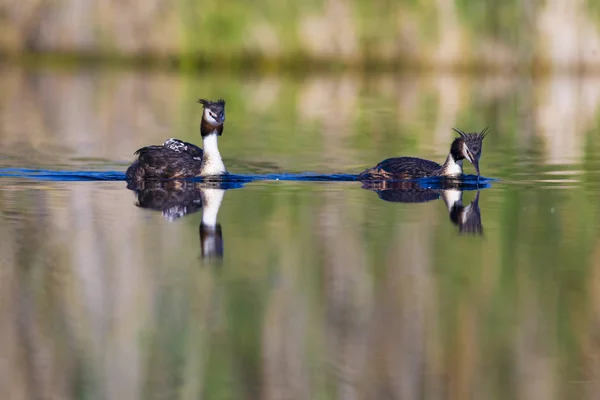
(309,288)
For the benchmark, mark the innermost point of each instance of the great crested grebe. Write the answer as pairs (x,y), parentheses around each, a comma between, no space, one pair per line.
(179,159)
(467,145)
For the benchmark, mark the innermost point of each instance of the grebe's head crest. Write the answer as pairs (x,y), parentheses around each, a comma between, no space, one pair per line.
(214,111)
(470,145)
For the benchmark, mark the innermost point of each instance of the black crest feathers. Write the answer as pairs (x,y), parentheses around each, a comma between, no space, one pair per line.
(220,103)
(473,136)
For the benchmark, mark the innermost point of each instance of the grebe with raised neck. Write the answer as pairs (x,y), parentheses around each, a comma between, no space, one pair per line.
(178,159)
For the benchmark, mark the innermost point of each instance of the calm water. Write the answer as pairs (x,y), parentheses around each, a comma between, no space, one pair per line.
(307,290)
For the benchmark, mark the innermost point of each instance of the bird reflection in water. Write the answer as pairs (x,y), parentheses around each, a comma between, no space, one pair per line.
(176,199)
(467,218)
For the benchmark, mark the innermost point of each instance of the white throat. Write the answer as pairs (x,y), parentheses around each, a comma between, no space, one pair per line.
(452,167)
(211,199)
(212,161)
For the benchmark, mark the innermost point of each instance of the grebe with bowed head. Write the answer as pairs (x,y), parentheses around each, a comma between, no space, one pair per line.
(465,146)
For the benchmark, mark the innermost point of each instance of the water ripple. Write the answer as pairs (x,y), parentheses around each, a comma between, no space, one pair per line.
(57,175)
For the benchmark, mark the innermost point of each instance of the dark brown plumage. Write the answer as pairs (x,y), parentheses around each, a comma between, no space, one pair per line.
(401,168)
(160,162)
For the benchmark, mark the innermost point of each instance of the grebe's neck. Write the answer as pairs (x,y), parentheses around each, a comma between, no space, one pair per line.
(452,167)
(212,163)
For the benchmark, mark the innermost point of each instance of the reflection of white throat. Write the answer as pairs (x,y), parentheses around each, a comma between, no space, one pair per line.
(212,161)
(211,199)
(452,197)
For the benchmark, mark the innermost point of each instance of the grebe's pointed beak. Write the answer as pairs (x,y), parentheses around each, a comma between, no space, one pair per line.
(473,160)
(475,163)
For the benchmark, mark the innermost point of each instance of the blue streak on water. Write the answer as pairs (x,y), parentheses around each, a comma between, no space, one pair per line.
(51,175)
(290,177)
(467,181)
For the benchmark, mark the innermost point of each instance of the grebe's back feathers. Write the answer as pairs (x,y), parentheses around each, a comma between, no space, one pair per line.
(184,147)
(401,168)
(161,162)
